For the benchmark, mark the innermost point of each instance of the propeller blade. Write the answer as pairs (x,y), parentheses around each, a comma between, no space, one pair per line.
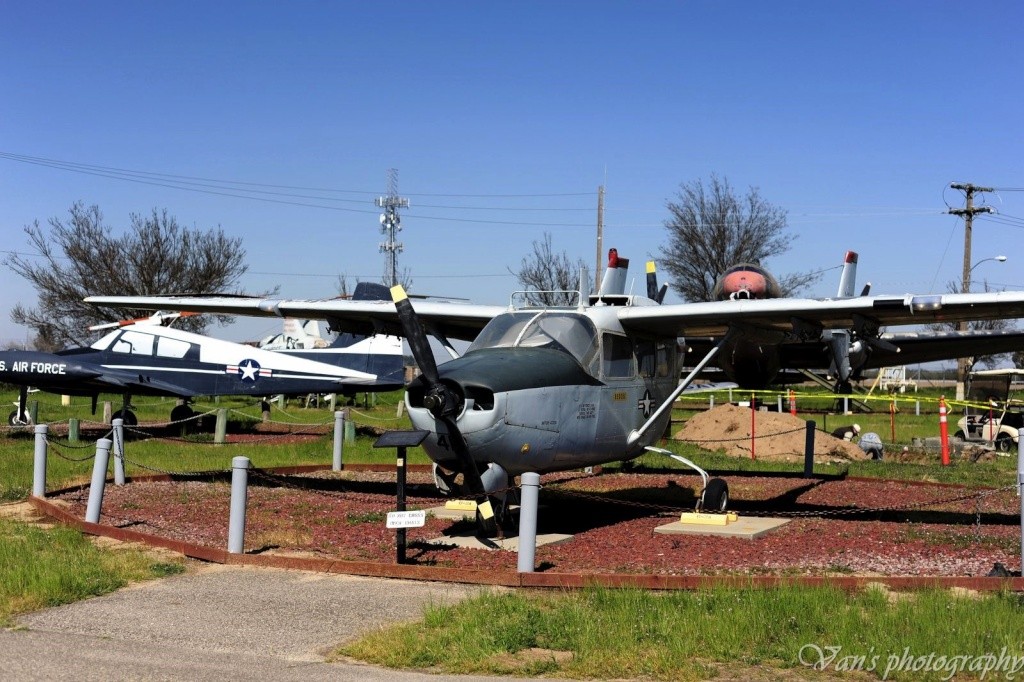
(471,476)
(884,345)
(415,335)
(652,281)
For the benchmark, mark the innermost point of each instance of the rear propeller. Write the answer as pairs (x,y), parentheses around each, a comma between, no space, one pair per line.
(444,403)
(653,292)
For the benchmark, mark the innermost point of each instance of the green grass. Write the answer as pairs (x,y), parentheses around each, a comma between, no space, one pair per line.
(686,635)
(196,452)
(47,567)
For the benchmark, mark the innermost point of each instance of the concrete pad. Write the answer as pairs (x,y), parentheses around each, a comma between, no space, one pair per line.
(509,544)
(443,512)
(749,527)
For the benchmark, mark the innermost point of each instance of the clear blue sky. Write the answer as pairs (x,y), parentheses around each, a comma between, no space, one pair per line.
(504,118)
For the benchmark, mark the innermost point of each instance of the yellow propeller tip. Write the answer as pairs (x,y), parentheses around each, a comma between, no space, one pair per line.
(650,267)
(398,293)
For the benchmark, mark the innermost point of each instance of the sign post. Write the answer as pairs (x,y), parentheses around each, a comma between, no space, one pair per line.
(401,519)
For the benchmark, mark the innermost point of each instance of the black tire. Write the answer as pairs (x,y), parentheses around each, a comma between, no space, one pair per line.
(960,435)
(127,416)
(1004,442)
(715,497)
(180,413)
(13,420)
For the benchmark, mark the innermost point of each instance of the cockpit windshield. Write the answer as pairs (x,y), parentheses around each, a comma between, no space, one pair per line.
(568,332)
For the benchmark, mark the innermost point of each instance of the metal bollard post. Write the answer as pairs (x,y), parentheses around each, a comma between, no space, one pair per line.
(39,462)
(99,479)
(118,425)
(780,403)
(239,497)
(73,430)
(809,449)
(530,484)
(221,430)
(339,443)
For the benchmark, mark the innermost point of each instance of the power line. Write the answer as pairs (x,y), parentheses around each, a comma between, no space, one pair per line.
(128,174)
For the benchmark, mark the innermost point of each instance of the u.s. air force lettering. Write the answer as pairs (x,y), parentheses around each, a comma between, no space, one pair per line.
(27,367)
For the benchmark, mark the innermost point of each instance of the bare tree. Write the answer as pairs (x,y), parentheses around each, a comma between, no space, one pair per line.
(80,256)
(711,229)
(551,279)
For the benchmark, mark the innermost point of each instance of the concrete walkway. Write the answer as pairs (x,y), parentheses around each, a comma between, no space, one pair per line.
(220,623)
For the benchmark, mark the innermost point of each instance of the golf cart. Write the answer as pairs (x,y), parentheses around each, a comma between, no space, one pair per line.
(994,418)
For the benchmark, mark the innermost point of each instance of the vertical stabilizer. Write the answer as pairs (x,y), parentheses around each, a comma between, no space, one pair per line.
(848,280)
(614,281)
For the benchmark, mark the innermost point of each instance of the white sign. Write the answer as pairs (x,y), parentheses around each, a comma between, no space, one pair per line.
(407,519)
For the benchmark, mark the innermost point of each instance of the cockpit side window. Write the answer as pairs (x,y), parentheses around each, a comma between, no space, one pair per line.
(134,343)
(617,356)
(172,348)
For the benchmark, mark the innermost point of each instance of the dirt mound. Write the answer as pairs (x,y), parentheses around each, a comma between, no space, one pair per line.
(778,436)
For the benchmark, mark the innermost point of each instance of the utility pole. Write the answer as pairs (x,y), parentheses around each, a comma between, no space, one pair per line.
(600,237)
(391,225)
(965,283)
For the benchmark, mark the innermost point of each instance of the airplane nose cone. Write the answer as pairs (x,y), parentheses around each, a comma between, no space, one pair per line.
(744,284)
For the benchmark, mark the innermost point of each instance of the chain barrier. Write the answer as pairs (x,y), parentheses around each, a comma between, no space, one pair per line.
(758,436)
(371,417)
(57,447)
(183,474)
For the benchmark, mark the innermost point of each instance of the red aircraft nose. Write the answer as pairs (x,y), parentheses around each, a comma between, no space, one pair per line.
(744,284)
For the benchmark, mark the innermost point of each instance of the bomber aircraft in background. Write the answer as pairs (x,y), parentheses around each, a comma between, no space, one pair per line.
(551,389)
(760,357)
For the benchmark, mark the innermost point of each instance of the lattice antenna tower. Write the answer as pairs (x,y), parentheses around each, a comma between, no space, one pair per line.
(391,225)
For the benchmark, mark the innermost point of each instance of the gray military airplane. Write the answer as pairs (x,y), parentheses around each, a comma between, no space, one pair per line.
(550,389)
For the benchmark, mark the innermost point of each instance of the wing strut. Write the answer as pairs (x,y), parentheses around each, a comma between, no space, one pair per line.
(636,434)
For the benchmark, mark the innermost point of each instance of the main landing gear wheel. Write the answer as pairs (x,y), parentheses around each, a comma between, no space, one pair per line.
(180,413)
(715,497)
(128,416)
(14,420)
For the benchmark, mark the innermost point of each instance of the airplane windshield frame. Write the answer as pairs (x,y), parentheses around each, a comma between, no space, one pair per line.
(567,332)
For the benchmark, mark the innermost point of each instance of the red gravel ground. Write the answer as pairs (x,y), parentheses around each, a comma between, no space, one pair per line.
(839,527)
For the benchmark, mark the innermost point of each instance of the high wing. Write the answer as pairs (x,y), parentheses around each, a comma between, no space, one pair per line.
(453,320)
(789,318)
(801,318)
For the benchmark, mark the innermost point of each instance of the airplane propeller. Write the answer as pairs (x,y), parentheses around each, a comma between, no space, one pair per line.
(444,403)
(653,292)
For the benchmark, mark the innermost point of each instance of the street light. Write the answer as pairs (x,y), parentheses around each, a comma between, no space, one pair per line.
(1001,259)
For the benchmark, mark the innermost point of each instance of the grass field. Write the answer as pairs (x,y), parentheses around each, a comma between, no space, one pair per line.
(632,634)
